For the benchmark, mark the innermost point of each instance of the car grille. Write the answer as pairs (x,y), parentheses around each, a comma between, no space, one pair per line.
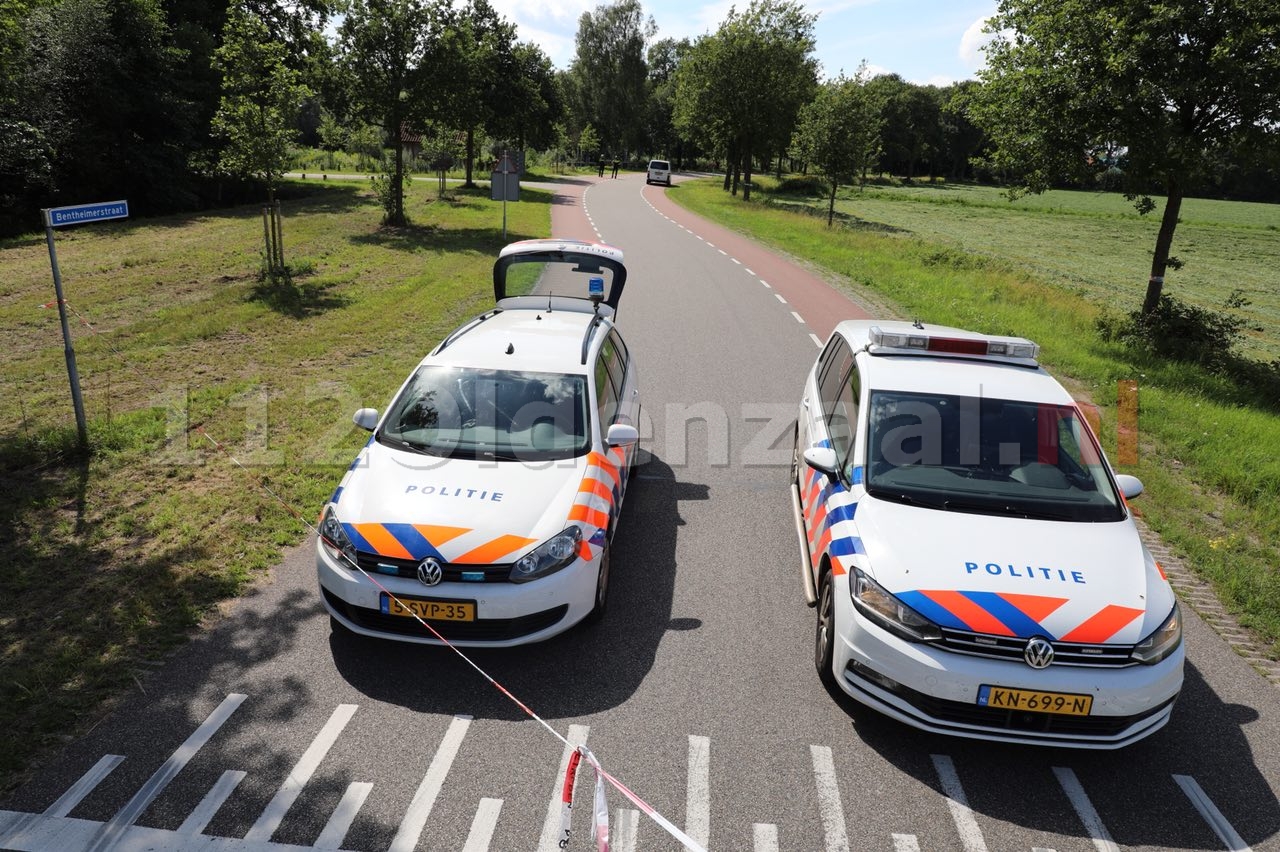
(942,711)
(1011,648)
(453,573)
(480,630)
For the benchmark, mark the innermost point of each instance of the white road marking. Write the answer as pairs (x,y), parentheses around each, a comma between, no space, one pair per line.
(424,799)
(778,296)
(335,830)
(735,260)
(697,803)
(765,283)
(111,831)
(76,792)
(301,773)
(799,318)
(486,820)
(722,251)
(749,272)
(212,801)
(1092,822)
(1041,849)
(817,340)
(905,843)
(824,774)
(966,825)
(711,244)
(551,825)
(764,837)
(625,828)
(1211,814)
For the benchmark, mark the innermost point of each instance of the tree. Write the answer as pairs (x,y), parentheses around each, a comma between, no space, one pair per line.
(839,131)
(260,101)
(385,47)
(469,79)
(610,74)
(1173,84)
(663,59)
(530,103)
(741,89)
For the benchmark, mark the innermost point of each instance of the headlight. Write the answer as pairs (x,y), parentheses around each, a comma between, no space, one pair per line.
(1162,642)
(335,539)
(548,557)
(890,613)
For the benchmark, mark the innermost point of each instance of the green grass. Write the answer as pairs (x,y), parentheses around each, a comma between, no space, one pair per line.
(1091,243)
(1209,451)
(115,555)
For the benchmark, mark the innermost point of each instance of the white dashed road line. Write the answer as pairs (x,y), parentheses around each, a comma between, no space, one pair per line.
(1084,808)
(966,826)
(1233,841)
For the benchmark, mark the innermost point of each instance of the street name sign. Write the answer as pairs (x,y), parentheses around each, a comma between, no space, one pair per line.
(77,214)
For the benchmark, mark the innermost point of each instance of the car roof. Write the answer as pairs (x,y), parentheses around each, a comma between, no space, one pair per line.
(539,339)
(946,373)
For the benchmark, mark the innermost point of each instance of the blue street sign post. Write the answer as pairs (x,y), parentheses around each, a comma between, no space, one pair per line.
(59,217)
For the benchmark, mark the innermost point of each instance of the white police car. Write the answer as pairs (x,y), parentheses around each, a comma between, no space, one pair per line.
(974,564)
(485,500)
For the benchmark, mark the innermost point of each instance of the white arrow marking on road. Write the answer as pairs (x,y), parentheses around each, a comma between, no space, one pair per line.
(301,773)
(824,774)
(697,812)
(1211,814)
(1092,822)
(406,839)
(966,825)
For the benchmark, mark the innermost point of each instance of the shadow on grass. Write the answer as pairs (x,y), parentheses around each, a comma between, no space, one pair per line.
(80,607)
(844,220)
(411,238)
(284,295)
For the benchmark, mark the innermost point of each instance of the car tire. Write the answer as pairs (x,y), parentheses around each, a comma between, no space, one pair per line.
(602,587)
(824,634)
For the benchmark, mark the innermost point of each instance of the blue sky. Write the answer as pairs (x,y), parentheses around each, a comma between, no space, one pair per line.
(925,41)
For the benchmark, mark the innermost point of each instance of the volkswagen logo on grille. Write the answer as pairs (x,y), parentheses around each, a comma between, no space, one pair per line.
(1038,653)
(430,573)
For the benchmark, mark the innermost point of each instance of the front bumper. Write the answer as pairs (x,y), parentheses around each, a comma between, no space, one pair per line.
(936,690)
(507,614)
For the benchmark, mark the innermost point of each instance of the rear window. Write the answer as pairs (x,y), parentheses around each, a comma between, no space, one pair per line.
(662,165)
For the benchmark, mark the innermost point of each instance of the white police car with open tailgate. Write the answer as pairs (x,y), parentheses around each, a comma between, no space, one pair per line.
(482,507)
(975,567)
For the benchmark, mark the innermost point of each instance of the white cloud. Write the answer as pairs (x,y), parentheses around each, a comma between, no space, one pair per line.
(971,44)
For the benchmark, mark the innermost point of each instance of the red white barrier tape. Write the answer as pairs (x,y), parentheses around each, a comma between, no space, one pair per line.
(600,821)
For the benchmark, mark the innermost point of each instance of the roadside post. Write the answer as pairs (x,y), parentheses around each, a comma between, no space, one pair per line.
(504,186)
(58,217)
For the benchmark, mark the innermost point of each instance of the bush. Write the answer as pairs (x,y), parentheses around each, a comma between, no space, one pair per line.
(808,186)
(1183,332)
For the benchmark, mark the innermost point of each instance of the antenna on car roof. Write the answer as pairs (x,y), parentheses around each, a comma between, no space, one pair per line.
(548,303)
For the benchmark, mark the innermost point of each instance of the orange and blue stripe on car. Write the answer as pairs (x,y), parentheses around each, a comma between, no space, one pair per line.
(603,484)
(826,506)
(1022,616)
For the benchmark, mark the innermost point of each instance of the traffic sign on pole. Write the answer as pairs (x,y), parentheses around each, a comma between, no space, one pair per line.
(58,217)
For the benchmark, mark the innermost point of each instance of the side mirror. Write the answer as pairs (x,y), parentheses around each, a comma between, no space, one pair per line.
(823,460)
(366,418)
(622,435)
(1130,486)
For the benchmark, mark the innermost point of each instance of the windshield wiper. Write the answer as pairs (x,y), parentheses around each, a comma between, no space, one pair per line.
(402,444)
(899,497)
(1002,509)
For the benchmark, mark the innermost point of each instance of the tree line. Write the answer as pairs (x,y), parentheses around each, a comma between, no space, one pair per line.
(181,104)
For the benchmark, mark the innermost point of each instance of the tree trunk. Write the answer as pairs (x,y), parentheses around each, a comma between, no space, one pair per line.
(1164,241)
(746,176)
(831,204)
(471,156)
(397,184)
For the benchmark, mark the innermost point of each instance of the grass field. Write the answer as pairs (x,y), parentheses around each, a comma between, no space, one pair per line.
(1209,452)
(113,558)
(1091,243)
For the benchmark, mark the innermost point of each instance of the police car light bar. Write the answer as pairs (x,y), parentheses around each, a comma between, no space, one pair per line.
(954,345)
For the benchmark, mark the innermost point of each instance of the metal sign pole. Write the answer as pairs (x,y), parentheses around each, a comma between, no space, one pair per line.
(506,169)
(76,399)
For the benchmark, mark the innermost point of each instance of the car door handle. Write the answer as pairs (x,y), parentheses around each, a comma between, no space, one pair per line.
(805,402)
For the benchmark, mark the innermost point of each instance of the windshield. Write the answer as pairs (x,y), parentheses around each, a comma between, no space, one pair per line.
(987,456)
(489,414)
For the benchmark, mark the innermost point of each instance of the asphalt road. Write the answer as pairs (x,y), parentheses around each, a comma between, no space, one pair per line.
(697,691)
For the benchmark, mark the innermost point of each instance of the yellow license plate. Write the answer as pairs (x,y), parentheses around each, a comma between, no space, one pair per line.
(1034,701)
(429,610)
